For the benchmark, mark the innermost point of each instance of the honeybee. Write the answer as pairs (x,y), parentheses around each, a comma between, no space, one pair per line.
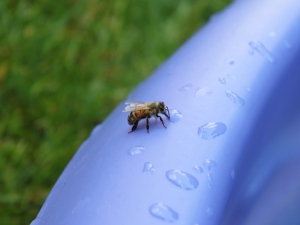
(144,110)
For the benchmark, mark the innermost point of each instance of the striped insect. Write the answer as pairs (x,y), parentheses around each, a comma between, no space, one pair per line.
(145,110)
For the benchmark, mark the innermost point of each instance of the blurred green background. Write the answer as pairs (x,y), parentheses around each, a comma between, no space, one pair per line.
(64,66)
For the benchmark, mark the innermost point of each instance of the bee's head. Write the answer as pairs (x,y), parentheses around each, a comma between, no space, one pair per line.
(163,109)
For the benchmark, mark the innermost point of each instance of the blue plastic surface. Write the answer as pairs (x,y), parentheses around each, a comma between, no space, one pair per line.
(231,151)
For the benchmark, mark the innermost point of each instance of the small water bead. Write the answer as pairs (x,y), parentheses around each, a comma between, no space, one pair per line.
(163,212)
(148,168)
(235,98)
(183,180)
(222,80)
(185,87)
(247,88)
(208,163)
(211,130)
(175,115)
(136,150)
(200,92)
(262,50)
(209,177)
(198,169)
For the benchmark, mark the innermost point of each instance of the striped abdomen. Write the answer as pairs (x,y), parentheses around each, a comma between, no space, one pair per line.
(137,115)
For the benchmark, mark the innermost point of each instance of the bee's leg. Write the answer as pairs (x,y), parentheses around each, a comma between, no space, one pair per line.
(147,124)
(161,120)
(134,126)
(167,115)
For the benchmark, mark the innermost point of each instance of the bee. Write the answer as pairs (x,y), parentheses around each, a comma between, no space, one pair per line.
(144,110)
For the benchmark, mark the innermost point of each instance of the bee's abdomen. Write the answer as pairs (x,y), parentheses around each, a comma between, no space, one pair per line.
(131,118)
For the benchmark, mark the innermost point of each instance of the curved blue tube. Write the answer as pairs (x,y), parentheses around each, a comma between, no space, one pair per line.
(230,153)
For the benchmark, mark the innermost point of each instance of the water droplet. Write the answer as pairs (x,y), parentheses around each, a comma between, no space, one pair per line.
(185,87)
(148,168)
(209,177)
(209,164)
(181,179)
(200,92)
(198,169)
(230,61)
(163,212)
(222,80)
(175,115)
(232,174)
(235,98)
(211,130)
(261,49)
(209,212)
(136,150)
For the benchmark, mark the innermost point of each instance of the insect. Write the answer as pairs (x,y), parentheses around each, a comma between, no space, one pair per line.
(144,110)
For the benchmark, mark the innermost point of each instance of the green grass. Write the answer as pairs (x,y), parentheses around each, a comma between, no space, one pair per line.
(64,66)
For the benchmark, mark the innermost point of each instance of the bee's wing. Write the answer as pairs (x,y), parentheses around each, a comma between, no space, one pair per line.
(131,106)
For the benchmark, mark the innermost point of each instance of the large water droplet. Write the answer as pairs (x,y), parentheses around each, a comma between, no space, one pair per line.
(198,169)
(235,98)
(163,212)
(175,115)
(185,87)
(211,130)
(261,49)
(200,92)
(222,80)
(181,179)
(148,168)
(136,150)
(208,164)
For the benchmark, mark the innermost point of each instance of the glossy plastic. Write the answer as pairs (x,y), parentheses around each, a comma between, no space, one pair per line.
(230,153)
